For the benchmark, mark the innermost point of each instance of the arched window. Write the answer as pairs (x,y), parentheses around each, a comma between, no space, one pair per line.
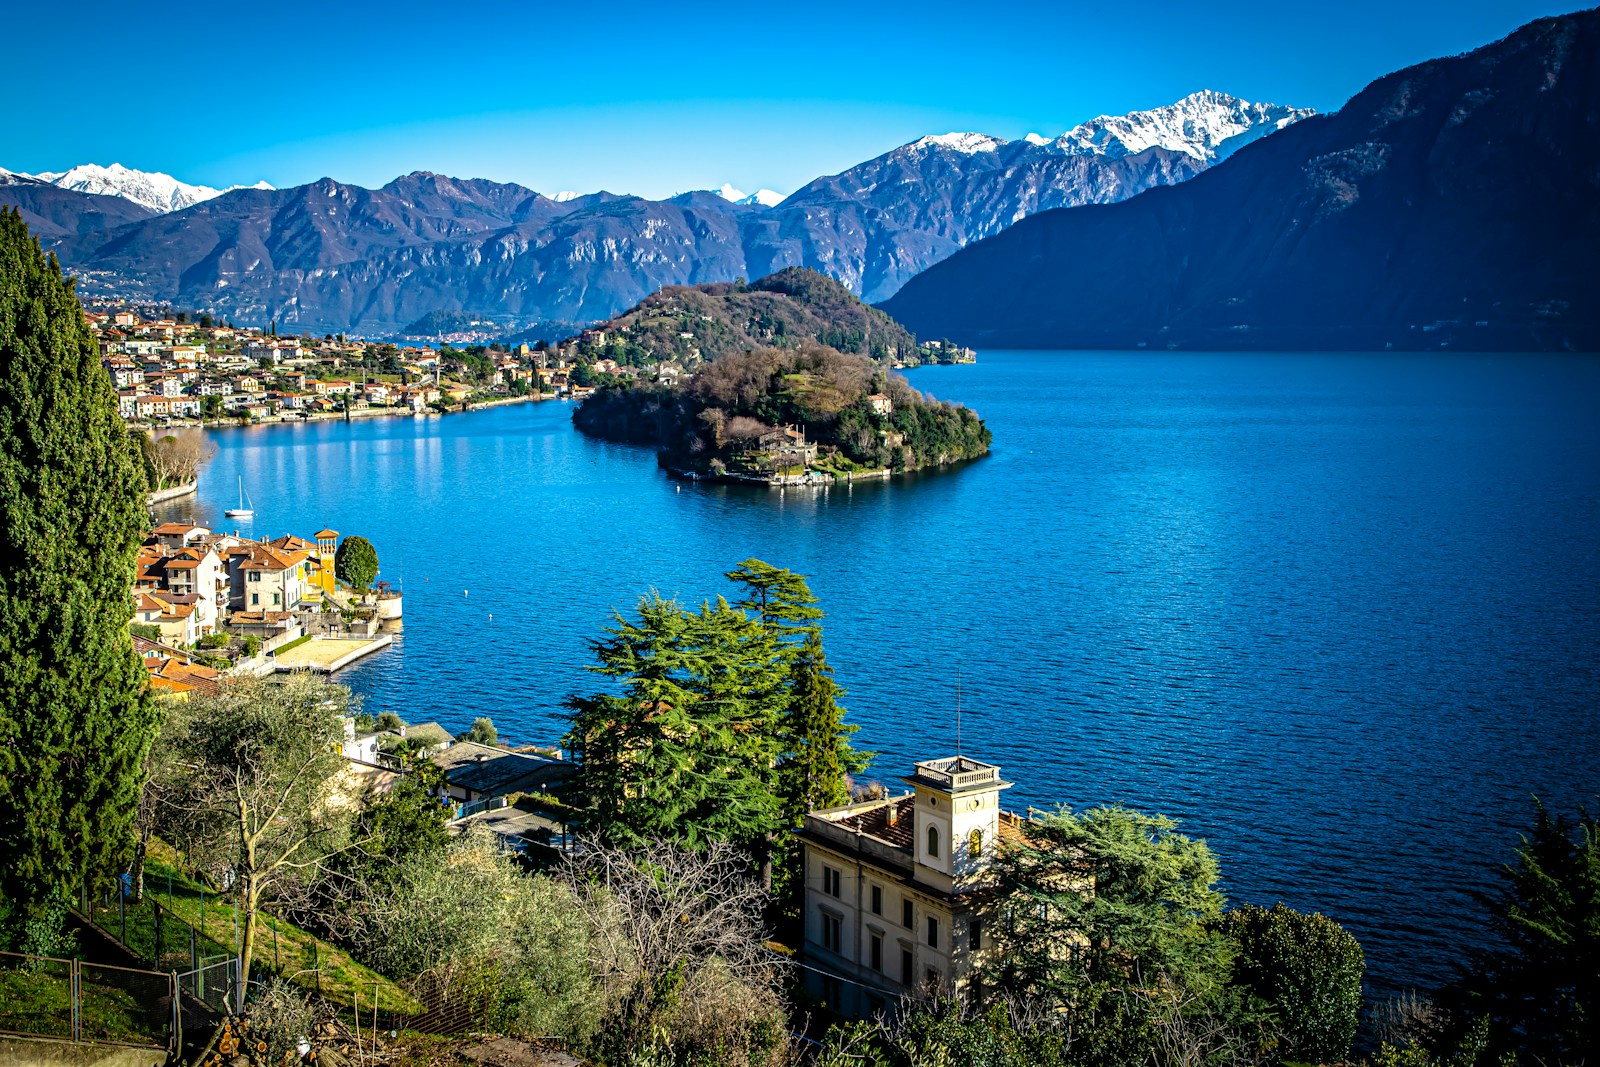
(975,842)
(933,841)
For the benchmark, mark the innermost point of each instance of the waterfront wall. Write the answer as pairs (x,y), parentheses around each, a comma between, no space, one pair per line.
(172,492)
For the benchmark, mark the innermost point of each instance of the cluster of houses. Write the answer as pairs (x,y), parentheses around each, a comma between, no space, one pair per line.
(190,583)
(164,370)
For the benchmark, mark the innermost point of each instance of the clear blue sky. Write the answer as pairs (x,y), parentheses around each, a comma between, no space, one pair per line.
(654,99)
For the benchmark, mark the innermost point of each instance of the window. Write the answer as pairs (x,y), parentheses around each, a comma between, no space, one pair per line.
(974,934)
(877,952)
(933,841)
(830,932)
(255,576)
(907,919)
(933,980)
(275,599)
(255,598)
(907,967)
(877,900)
(975,842)
(933,932)
(830,881)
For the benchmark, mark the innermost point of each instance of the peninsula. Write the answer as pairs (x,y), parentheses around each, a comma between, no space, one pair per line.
(807,415)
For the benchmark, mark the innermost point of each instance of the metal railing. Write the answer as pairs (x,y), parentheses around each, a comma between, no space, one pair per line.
(89,1002)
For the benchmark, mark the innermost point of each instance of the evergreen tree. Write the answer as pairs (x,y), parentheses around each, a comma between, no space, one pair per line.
(356,562)
(75,718)
(1093,899)
(781,599)
(687,752)
(814,735)
(1540,988)
(813,776)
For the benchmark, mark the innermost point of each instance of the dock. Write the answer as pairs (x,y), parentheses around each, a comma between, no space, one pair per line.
(328,654)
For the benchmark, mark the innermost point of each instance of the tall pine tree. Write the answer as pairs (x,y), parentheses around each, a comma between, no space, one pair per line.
(75,718)
(687,751)
(814,739)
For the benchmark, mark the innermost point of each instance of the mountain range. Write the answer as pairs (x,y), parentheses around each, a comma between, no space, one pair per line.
(1454,203)
(331,256)
(158,192)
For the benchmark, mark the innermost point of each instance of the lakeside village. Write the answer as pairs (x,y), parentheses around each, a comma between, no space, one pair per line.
(171,368)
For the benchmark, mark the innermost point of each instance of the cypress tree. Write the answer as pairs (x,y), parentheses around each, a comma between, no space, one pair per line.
(76,720)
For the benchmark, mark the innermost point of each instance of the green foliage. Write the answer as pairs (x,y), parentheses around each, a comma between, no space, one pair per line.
(471,924)
(75,718)
(388,720)
(356,562)
(686,753)
(148,630)
(252,644)
(482,732)
(724,409)
(251,778)
(1308,970)
(1541,991)
(1104,897)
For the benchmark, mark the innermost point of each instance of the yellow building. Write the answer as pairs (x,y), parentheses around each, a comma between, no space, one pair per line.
(327,545)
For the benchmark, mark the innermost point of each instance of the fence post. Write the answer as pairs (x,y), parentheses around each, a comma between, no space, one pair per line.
(75,992)
(175,1027)
(155,915)
(194,951)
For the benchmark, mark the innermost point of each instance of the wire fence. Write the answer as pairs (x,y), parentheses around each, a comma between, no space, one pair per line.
(78,1001)
(153,932)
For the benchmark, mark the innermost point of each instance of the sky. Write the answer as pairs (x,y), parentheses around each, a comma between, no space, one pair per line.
(655,99)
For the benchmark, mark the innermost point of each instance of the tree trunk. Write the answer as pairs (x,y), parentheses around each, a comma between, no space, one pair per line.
(249,901)
(138,868)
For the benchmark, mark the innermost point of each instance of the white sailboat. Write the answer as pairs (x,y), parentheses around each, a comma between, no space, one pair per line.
(246,506)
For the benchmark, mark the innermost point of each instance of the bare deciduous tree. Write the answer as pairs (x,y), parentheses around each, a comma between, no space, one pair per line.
(677,945)
(176,457)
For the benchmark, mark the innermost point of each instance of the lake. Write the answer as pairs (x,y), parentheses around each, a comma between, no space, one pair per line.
(1336,613)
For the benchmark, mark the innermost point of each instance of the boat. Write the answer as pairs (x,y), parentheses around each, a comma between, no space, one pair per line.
(246,506)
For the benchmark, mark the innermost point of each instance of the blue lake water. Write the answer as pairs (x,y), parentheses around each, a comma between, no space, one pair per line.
(1337,613)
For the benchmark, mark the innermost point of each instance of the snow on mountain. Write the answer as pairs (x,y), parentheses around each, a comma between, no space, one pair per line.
(966,143)
(156,191)
(564,195)
(764,198)
(1207,125)
(759,198)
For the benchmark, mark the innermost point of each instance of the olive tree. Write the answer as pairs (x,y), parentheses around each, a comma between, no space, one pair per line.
(253,789)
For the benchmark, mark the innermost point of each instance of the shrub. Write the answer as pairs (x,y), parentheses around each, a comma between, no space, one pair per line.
(1308,968)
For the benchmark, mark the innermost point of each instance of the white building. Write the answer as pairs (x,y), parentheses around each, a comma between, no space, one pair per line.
(892,902)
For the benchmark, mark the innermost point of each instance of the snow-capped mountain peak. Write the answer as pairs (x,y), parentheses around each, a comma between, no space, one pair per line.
(759,198)
(564,195)
(158,192)
(1207,125)
(965,143)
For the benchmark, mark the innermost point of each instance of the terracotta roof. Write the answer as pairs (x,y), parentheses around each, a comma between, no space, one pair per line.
(874,822)
(176,528)
(324,534)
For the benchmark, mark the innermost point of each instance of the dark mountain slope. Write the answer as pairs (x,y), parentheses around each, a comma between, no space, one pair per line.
(794,308)
(53,213)
(1457,192)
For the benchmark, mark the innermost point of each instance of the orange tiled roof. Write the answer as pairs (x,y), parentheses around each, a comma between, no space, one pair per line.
(875,822)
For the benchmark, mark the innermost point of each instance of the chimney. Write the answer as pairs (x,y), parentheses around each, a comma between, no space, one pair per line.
(893,814)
